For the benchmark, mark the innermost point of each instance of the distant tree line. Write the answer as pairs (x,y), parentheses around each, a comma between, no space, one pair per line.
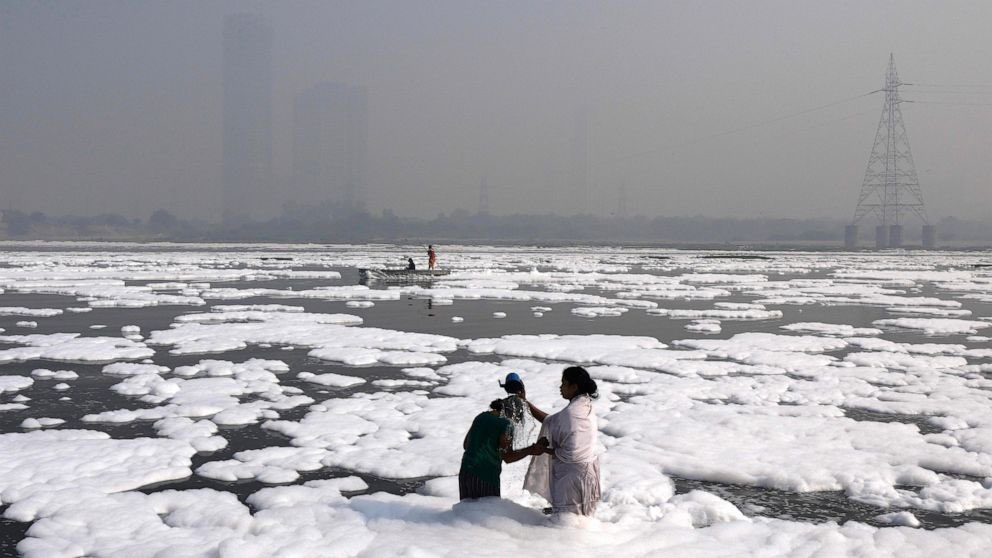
(333,223)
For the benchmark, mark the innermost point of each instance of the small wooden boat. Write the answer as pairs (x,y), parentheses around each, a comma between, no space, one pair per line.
(401,275)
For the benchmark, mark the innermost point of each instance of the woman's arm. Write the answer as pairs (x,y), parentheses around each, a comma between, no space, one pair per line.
(511,456)
(538,414)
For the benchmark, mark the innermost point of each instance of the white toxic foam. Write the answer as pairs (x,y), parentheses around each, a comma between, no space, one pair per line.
(936,326)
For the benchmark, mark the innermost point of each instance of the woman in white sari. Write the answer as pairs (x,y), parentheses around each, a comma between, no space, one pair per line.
(567,475)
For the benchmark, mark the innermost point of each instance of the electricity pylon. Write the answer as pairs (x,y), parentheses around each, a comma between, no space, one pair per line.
(891,187)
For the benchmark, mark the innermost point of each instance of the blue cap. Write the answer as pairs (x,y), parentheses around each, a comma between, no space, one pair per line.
(511,377)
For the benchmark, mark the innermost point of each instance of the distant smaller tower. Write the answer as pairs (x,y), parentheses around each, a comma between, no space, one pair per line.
(484,197)
(851,237)
(622,201)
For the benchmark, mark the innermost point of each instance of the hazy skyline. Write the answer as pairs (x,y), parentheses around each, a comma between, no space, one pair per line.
(248,191)
(699,108)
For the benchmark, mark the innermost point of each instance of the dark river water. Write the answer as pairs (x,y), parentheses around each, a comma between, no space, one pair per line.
(90,393)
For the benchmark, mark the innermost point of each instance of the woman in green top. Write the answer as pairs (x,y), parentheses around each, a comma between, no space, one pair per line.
(487,447)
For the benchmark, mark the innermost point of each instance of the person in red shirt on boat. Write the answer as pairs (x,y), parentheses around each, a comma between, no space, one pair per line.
(431,257)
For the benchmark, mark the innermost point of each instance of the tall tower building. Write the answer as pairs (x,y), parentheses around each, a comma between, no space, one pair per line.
(330,145)
(247,119)
(578,174)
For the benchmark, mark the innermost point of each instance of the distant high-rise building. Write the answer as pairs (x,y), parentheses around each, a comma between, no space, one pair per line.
(330,144)
(247,119)
(578,175)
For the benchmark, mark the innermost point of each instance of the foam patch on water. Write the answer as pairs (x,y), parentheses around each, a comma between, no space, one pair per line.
(214,389)
(704,326)
(328,340)
(598,311)
(273,465)
(70,347)
(718,314)
(331,379)
(41,422)
(14,383)
(30,312)
(36,466)
(308,520)
(936,326)
(841,330)
(45,374)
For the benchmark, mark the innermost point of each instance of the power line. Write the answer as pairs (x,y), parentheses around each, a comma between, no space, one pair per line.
(744,128)
(957,86)
(948,92)
(956,104)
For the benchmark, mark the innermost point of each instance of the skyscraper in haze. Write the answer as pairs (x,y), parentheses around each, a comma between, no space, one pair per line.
(578,174)
(330,143)
(247,118)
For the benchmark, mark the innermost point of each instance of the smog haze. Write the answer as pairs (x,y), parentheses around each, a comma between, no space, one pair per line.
(676,108)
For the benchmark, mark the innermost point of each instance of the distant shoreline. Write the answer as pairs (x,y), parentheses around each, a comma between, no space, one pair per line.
(785,246)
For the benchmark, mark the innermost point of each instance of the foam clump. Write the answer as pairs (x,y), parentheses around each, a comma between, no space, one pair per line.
(331,380)
(936,326)
(704,326)
(200,434)
(44,422)
(717,314)
(70,347)
(841,330)
(272,465)
(45,374)
(14,383)
(599,311)
(898,518)
(30,312)
(701,509)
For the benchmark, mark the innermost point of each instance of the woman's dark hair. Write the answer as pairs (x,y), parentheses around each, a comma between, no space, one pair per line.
(496,405)
(578,376)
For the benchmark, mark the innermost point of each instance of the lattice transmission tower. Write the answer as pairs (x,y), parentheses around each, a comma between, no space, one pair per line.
(891,188)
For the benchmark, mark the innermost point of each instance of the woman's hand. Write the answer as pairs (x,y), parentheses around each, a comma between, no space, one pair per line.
(541,446)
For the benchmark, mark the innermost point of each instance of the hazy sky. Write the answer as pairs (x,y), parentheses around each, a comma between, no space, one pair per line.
(116,105)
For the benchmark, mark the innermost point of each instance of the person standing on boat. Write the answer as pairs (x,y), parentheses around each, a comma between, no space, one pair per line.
(431,257)
(410,266)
